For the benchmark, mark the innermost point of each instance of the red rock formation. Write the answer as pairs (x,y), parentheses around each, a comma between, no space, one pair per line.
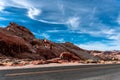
(18,42)
(19,31)
(106,55)
(12,45)
(68,56)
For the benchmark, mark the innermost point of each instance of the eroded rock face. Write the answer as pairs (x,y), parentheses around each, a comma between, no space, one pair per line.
(106,55)
(20,31)
(12,45)
(68,56)
(18,42)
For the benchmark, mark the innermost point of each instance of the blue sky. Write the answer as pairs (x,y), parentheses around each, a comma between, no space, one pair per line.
(90,24)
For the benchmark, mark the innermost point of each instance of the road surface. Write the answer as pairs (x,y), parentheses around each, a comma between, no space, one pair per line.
(77,72)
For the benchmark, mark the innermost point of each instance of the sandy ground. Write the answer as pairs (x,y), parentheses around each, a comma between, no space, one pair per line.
(42,65)
(46,65)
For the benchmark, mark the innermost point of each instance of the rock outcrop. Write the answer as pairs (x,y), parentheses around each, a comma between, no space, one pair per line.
(18,42)
(106,55)
(20,31)
(68,56)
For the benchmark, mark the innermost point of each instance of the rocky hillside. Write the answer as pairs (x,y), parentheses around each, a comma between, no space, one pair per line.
(18,42)
(106,55)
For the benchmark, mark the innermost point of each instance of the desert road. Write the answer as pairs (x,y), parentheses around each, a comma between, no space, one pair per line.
(77,72)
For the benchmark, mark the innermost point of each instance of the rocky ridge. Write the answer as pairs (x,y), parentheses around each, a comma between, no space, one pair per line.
(106,55)
(18,46)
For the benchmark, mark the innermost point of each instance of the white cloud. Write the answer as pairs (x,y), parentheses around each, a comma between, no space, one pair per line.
(79,16)
(118,19)
(1,6)
(14,3)
(55,31)
(112,34)
(45,35)
(103,32)
(73,23)
(2,18)
(61,7)
(115,37)
(61,40)
(32,12)
(50,22)
(108,31)
(100,46)
(21,3)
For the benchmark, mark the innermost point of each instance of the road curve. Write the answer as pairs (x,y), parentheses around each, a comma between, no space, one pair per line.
(76,72)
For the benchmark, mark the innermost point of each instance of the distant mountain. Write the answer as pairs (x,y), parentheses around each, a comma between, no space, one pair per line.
(18,42)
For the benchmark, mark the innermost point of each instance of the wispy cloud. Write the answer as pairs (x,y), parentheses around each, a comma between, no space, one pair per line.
(81,17)
(115,37)
(1,6)
(118,19)
(73,23)
(2,18)
(55,31)
(100,46)
(32,12)
(60,40)
(50,22)
(41,35)
(45,35)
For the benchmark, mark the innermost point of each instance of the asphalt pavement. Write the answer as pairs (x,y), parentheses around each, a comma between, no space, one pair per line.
(77,72)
